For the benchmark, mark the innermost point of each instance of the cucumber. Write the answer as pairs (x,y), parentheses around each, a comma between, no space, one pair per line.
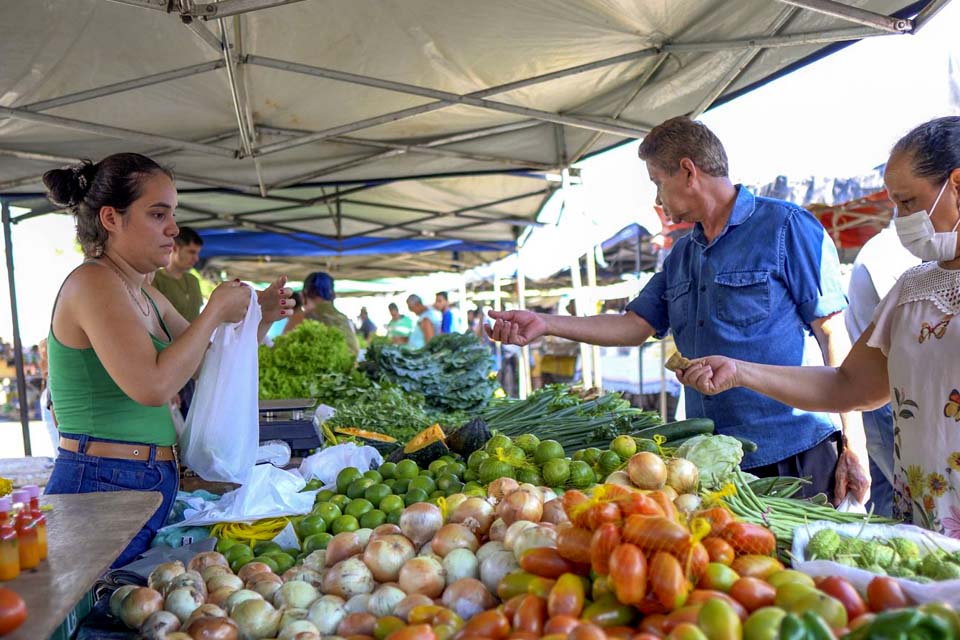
(749,446)
(680,430)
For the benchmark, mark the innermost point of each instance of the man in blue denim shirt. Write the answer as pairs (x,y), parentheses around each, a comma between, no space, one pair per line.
(753,280)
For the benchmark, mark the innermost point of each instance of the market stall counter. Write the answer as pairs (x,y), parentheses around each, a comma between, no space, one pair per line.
(86,533)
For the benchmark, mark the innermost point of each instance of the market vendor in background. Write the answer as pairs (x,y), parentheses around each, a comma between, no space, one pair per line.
(427,325)
(318,295)
(908,354)
(400,326)
(118,350)
(753,279)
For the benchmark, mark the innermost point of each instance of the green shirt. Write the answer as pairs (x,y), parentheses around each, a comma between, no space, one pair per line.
(402,327)
(324,311)
(183,292)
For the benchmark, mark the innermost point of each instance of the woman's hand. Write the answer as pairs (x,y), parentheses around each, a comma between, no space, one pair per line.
(276,301)
(230,301)
(710,375)
(852,476)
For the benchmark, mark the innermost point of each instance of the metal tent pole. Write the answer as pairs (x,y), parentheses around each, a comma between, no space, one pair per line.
(523,367)
(17,346)
(593,300)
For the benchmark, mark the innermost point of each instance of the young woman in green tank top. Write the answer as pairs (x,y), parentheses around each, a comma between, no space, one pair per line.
(118,350)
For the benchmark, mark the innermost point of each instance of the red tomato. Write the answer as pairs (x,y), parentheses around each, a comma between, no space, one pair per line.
(489,624)
(652,624)
(684,615)
(628,571)
(695,561)
(560,624)
(13,610)
(545,562)
(718,517)
(719,550)
(602,513)
(702,596)
(665,503)
(645,636)
(755,566)
(567,596)
(638,503)
(753,593)
(605,539)
(667,581)
(656,533)
(858,622)
(530,615)
(510,606)
(885,593)
(576,504)
(746,537)
(843,591)
(587,631)
(573,543)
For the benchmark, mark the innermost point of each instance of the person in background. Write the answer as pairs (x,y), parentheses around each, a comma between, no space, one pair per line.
(175,281)
(298,314)
(448,319)
(878,265)
(318,296)
(400,326)
(367,327)
(473,321)
(427,324)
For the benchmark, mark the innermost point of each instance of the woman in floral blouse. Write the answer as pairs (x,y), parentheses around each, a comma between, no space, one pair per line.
(910,354)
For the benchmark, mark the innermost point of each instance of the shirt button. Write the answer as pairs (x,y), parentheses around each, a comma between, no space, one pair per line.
(699,323)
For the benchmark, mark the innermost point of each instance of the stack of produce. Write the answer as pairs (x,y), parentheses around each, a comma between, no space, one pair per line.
(289,369)
(530,460)
(898,557)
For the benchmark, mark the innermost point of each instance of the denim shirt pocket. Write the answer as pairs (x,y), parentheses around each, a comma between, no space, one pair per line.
(743,297)
(678,300)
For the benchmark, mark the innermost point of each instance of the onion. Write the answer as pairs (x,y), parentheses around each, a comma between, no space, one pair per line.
(647,470)
(301,574)
(423,575)
(384,600)
(290,631)
(224,580)
(384,530)
(266,588)
(357,624)
(670,492)
(683,475)
(240,596)
(252,568)
(342,546)
(468,597)
(215,570)
(263,576)
(538,536)
(316,560)
(288,616)
(177,635)
(295,595)
(403,608)
(455,500)
(502,487)
(359,603)
(364,536)
(459,564)
(139,605)
(620,478)
(182,602)
(348,578)
(158,625)
(256,619)
(497,565)
(420,522)
(476,513)
(190,579)
(548,494)
(213,628)
(554,512)
(497,530)
(116,598)
(687,503)
(219,597)
(533,490)
(326,613)
(514,531)
(206,559)
(161,576)
(453,536)
(206,610)
(386,554)
(520,505)
(489,549)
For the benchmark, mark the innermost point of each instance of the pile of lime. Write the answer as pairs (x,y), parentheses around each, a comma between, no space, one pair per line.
(528,459)
(605,461)
(268,552)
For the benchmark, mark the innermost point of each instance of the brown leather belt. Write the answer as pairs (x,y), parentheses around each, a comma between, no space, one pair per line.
(140,452)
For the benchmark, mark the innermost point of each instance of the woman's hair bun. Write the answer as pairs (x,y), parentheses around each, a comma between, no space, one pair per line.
(67,187)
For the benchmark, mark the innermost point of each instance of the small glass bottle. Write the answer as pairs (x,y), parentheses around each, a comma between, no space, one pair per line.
(9,546)
(38,518)
(26,532)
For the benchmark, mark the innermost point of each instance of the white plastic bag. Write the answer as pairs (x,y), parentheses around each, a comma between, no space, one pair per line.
(327,463)
(222,431)
(850,504)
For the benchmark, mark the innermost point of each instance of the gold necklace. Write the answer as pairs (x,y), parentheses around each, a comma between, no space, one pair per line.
(116,269)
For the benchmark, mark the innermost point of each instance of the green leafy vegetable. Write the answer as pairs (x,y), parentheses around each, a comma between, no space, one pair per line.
(717,457)
(290,368)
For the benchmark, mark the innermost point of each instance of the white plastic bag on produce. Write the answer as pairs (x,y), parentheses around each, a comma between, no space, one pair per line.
(945,591)
(269,493)
(849,504)
(327,463)
(223,425)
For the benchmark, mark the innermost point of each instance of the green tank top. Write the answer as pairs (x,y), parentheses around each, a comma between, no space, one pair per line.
(87,401)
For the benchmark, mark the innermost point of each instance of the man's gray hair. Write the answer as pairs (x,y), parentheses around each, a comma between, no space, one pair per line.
(414,299)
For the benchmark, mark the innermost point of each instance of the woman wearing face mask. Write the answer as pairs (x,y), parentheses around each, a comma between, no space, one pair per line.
(908,355)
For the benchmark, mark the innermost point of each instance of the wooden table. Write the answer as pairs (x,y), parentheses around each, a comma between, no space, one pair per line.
(86,533)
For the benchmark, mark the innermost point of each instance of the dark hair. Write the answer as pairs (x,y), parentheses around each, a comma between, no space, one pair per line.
(678,138)
(188,236)
(934,148)
(318,285)
(393,307)
(297,299)
(443,294)
(116,181)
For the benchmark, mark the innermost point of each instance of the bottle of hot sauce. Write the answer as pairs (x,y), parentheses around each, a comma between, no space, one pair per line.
(26,532)
(38,518)
(9,546)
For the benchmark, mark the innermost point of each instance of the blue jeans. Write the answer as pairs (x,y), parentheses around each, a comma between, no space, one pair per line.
(81,473)
(878,427)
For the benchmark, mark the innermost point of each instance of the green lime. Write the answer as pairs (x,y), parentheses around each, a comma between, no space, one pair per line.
(324,496)
(423,482)
(609,461)
(591,455)
(270,561)
(344,523)
(456,469)
(238,563)
(475,492)
(376,493)
(373,519)
(388,470)
(315,484)
(645,444)
(528,442)
(284,560)
(373,475)
(437,494)
(577,455)
(529,475)
(557,471)
(514,454)
(358,487)
(581,475)
(472,485)
(391,483)
(393,517)
(223,544)
(340,501)
(415,495)
(316,542)
(437,465)
(391,503)
(426,473)
(407,470)
(446,480)
(448,458)
(492,469)
(471,476)
(345,477)
(624,447)
(310,525)
(266,546)
(358,507)
(548,450)
(400,486)
(476,458)
(238,551)
(328,511)
(497,442)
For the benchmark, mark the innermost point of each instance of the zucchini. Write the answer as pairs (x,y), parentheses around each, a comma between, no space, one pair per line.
(680,430)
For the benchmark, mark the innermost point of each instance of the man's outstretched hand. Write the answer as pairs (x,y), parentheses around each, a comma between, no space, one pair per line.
(516,327)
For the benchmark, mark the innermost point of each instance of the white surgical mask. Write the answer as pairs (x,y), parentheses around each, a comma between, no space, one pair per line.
(918,236)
